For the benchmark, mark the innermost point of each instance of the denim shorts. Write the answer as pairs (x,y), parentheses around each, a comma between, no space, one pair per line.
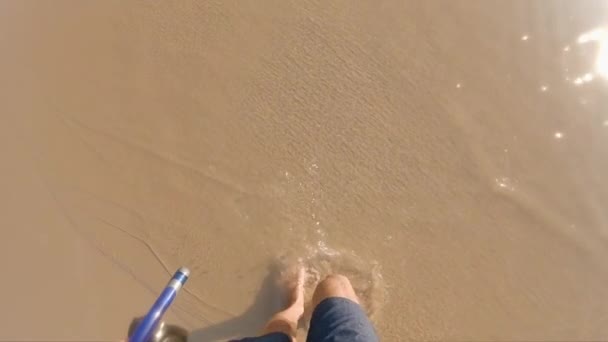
(335,319)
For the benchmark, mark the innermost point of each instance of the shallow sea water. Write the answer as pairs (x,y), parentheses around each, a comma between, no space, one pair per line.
(449,156)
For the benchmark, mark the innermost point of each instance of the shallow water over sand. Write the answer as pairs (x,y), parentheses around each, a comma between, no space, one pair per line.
(449,156)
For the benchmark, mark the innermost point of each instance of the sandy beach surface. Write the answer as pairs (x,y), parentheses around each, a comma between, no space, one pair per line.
(449,156)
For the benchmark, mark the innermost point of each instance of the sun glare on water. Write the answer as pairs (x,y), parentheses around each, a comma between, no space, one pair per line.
(600,37)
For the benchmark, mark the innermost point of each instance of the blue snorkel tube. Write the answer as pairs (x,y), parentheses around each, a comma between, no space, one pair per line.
(149,323)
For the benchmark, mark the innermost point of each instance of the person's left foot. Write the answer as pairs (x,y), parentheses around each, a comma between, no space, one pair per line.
(293,280)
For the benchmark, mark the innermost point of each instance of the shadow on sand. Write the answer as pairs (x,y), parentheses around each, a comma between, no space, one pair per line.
(250,323)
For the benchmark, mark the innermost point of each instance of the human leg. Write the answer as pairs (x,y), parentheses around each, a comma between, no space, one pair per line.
(334,285)
(286,321)
(282,326)
(337,316)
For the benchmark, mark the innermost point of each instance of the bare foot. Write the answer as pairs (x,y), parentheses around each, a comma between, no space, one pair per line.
(286,321)
(292,283)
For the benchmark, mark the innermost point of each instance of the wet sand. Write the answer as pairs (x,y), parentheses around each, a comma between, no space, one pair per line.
(449,156)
